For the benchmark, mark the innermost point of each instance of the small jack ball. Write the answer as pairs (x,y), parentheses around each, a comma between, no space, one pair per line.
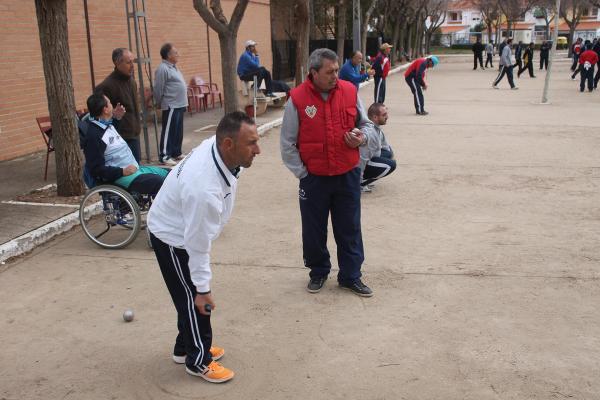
(128,315)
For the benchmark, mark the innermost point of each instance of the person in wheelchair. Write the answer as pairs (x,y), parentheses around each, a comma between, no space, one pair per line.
(108,157)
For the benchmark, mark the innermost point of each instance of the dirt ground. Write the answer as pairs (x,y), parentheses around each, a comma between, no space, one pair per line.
(482,249)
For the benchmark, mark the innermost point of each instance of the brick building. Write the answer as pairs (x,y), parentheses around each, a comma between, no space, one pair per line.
(22,87)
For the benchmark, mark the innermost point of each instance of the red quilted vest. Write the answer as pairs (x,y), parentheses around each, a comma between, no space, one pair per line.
(322,125)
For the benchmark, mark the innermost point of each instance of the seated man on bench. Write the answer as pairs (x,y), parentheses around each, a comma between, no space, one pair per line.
(108,157)
(249,67)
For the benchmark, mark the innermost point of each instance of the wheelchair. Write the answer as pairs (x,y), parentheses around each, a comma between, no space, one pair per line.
(111,217)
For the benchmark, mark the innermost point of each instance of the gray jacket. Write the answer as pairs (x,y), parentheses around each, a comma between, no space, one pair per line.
(489,49)
(376,141)
(170,89)
(289,135)
(506,57)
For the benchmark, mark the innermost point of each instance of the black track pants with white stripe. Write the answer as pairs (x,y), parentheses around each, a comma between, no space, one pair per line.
(377,168)
(508,71)
(194,328)
(417,92)
(379,91)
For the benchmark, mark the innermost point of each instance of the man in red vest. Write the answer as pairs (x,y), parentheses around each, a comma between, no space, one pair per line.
(320,137)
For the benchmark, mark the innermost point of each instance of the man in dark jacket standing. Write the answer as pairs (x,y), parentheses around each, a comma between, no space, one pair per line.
(528,58)
(545,54)
(596,48)
(519,54)
(478,49)
(120,88)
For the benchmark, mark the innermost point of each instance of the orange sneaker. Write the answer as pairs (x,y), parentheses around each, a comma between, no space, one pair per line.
(215,372)
(215,352)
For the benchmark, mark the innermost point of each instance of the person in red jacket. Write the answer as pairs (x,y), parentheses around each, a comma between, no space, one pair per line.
(587,61)
(415,79)
(320,137)
(382,66)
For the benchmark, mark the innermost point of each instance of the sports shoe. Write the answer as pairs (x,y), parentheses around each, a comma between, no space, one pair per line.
(358,288)
(514,88)
(215,352)
(168,161)
(424,113)
(215,372)
(365,189)
(179,157)
(495,87)
(316,284)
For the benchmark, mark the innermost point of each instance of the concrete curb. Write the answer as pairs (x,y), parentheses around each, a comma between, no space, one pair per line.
(41,235)
(31,240)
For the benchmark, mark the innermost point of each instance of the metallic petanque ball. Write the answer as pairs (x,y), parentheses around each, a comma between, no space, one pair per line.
(128,315)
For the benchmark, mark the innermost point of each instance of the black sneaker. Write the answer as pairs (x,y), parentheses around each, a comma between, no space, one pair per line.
(316,284)
(357,287)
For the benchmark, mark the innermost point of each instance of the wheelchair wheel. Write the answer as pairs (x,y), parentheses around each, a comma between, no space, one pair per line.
(110,217)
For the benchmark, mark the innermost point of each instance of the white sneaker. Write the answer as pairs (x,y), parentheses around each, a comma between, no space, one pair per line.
(514,88)
(495,87)
(365,189)
(168,161)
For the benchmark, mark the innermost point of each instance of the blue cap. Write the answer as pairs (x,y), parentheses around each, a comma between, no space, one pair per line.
(434,60)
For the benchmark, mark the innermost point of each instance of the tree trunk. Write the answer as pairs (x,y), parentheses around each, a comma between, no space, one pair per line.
(227,44)
(302,39)
(54,41)
(402,38)
(365,26)
(571,37)
(395,41)
(428,36)
(342,12)
(417,37)
(227,32)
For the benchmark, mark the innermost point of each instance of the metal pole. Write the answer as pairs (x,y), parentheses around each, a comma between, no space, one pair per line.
(356,44)
(139,60)
(255,93)
(552,54)
(208,46)
(150,82)
(89,43)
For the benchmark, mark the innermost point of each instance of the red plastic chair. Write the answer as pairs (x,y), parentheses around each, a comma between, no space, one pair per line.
(196,99)
(213,89)
(45,126)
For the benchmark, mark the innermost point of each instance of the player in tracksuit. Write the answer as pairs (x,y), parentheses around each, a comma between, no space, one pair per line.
(576,49)
(506,66)
(415,79)
(188,214)
(587,62)
(596,48)
(382,66)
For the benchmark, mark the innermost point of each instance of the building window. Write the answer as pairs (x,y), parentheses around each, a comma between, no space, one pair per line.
(590,13)
(454,16)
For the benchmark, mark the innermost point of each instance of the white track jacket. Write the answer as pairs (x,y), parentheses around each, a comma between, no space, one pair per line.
(192,207)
